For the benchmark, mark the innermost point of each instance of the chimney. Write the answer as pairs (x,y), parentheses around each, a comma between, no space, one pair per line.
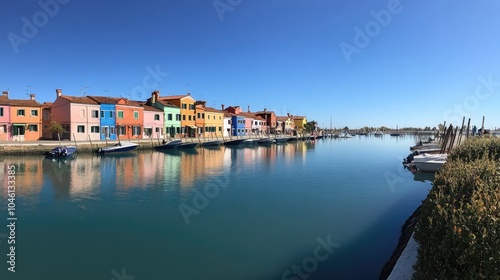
(58,92)
(265,110)
(249,108)
(189,93)
(32,96)
(154,96)
(5,93)
(222,105)
(288,114)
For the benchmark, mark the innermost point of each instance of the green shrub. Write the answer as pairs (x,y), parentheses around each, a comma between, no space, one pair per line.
(476,148)
(459,227)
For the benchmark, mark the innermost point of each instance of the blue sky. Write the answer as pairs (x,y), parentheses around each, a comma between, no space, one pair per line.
(429,62)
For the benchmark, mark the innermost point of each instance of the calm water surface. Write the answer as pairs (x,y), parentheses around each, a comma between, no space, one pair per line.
(247,213)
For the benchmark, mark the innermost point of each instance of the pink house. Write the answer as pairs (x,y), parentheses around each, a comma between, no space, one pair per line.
(153,122)
(78,115)
(4,117)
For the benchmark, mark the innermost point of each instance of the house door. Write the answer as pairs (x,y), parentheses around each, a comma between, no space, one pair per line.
(105,131)
(18,132)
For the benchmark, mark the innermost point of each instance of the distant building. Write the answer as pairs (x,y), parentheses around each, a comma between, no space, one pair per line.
(20,118)
(107,116)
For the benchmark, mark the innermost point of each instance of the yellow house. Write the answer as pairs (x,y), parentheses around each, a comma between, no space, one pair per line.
(214,122)
(299,122)
(188,114)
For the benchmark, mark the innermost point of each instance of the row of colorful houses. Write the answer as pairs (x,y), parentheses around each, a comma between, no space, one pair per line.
(101,117)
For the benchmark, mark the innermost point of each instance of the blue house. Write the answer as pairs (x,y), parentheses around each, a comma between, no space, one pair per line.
(107,116)
(237,125)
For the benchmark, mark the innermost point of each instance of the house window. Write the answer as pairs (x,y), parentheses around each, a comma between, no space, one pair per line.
(111,114)
(157,117)
(228,121)
(112,130)
(20,112)
(34,113)
(208,116)
(184,106)
(120,115)
(136,115)
(157,129)
(121,130)
(94,129)
(45,115)
(178,117)
(183,117)
(202,115)
(169,117)
(189,117)
(148,131)
(220,128)
(80,129)
(1,111)
(33,127)
(95,114)
(198,115)
(191,106)
(136,130)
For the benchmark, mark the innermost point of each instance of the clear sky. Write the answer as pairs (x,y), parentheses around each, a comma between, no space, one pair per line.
(406,63)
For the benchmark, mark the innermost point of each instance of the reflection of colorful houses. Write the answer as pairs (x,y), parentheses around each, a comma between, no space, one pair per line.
(171,113)
(5,127)
(25,118)
(107,116)
(153,122)
(78,115)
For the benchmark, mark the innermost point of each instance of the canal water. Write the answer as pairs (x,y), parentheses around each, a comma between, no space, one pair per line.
(327,209)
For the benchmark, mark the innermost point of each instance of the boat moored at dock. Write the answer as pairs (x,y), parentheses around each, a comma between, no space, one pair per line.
(118,148)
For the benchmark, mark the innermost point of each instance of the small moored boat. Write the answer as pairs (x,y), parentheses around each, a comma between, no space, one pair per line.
(62,152)
(118,148)
(169,145)
(187,145)
(212,143)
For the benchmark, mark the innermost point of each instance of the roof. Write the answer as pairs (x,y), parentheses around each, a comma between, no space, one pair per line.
(264,112)
(282,118)
(47,104)
(22,102)
(298,117)
(80,100)
(174,97)
(167,103)
(4,100)
(104,99)
(213,110)
(150,108)
(247,115)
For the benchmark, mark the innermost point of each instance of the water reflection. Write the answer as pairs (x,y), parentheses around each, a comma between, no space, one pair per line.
(88,175)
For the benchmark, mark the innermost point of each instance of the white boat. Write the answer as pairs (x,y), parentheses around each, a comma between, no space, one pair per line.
(121,147)
(429,162)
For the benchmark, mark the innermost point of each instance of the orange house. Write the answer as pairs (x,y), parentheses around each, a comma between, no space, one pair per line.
(26,119)
(129,119)
(188,113)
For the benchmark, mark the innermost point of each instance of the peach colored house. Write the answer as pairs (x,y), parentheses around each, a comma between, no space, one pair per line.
(153,122)
(78,115)
(129,119)
(25,118)
(46,120)
(5,125)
